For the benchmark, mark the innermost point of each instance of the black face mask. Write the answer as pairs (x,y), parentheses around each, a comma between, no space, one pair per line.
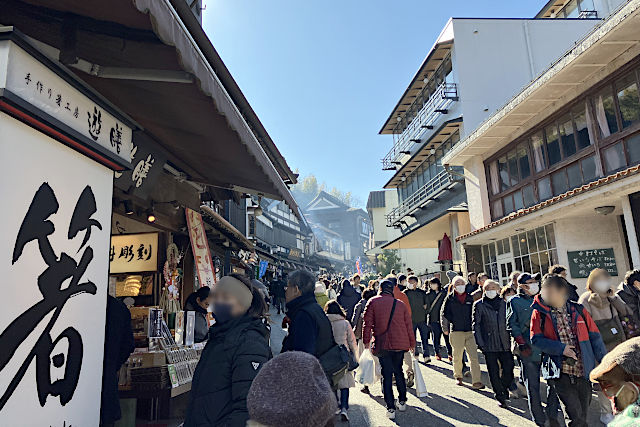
(222,312)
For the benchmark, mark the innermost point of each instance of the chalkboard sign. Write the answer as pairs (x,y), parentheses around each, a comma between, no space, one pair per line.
(582,262)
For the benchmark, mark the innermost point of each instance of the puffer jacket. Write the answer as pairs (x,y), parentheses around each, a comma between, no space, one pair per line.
(490,325)
(232,358)
(343,335)
(519,311)
(544,334)
(631,296)
(456,314)
(400,335)
(348,298)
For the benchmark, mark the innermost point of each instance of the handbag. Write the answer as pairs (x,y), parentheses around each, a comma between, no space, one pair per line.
(609,330)
(353,363)
(335,363)
(382,338)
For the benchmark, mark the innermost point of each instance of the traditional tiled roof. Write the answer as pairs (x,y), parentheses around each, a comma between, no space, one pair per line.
(586,187)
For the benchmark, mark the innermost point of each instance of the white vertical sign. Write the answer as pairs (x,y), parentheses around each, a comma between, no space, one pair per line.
(55,223)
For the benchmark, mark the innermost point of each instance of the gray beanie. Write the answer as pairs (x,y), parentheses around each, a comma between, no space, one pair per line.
(626,355)
(291,390)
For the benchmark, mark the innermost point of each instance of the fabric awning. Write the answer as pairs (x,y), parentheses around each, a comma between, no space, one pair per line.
(152,59)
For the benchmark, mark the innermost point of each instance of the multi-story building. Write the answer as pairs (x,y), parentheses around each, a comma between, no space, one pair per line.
(473,68)
(553,174)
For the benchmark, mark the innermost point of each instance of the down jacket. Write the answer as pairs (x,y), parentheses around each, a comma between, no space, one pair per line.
(400,335)
(490,325)
(519,311)
(343,335)
(456,316)
(232,358)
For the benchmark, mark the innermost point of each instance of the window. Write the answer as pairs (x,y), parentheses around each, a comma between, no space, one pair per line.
(495,180)
(566,137)
(589,170)
(582,127)
(627,92)
(528,196)
(559,182)
(512,161)
(571,9)
(537,144)
(544,189)
(517,201)
(606,113)
(633,148)
(523,161)
(496,209)
(504,173)
(614,158)
(553,145)
(574,175)
(508,204)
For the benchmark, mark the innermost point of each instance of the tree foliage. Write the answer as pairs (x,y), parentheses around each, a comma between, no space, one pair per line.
(308,187)
(388,260)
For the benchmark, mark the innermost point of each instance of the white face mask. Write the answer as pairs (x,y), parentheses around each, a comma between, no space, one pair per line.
(533,288)
(460,288)
(509,298)
(491,294)
(413,285)
(602,285)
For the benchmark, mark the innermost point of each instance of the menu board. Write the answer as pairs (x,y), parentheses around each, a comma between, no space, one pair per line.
(582,262)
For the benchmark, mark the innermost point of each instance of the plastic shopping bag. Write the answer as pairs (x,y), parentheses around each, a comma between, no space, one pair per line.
(366,372)
(421,387)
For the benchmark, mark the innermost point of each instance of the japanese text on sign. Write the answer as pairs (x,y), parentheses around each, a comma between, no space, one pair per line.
(200,245)
(581,263)
(130,253)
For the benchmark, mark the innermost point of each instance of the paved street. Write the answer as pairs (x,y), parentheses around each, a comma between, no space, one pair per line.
(447,404)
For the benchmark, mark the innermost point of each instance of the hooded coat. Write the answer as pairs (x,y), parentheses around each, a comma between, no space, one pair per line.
(348,298)
(232,358)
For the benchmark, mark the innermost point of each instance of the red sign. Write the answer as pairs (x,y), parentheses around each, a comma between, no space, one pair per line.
(200,246)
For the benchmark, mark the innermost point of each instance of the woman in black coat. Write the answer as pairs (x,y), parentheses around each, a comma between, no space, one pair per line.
(199,301)
(238,346)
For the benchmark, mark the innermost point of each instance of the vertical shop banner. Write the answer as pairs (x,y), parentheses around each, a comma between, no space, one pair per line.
(263,268)
(56,224)
(200,246)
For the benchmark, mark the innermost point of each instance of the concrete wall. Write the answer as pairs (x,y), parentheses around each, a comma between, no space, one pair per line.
(591,232)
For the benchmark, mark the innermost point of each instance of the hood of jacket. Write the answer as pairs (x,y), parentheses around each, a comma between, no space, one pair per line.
(349,291)
(335,317)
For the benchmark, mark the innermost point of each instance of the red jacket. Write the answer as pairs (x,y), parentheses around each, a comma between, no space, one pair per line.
(376,318)
(398,294)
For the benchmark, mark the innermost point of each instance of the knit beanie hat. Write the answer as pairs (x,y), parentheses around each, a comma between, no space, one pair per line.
(625,355)
(235,287)
(387,286)
(291,390)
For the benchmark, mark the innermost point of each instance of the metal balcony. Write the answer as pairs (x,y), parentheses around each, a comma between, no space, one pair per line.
(436,105)
(442,182)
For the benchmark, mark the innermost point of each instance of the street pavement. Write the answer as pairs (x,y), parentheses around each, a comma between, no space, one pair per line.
(447,405)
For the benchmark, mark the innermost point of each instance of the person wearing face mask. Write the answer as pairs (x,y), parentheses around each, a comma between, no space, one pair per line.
(519,311)
(571,346)
(619,378)
(237,349)
(629,291)
(199,301)
(456,310)
(490,331)
(605,308)
(418,301)
(437,296)
(561,270)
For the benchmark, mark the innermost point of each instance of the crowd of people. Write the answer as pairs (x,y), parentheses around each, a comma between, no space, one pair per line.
(579,345)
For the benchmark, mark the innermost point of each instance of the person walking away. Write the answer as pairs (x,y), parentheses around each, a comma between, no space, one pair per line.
(619,378)
(357,322)
(605,308)
(348,297)
(513,280)
(310,330)
(419,302)
(302,397)
(561,270)
(629,291)
(571,346)
(388,331)
(238,347)
(321,294)
(519,311)
(343,335)
(456,309)
(279,295)
(437,295)
(118,345)
(199,302)
(490,331)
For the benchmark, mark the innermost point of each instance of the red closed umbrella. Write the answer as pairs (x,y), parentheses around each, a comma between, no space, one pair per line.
(444,253)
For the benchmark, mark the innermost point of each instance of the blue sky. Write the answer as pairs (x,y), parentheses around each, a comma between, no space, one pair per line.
(323,75)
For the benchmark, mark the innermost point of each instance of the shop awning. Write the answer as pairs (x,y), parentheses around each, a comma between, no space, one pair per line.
(152,59)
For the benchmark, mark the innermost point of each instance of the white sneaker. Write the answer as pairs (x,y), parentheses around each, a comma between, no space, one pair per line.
(391,414)
(344,416)
(338,411)
(402,406)
(606,418)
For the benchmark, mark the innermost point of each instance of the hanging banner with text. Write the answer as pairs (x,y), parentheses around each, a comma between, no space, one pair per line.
(133,253)
(200,246)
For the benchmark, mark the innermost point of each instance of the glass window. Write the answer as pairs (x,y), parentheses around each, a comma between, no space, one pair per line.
(633,148)
(508,204)
(513,167)
(496,208)
(574,175)
(566,137)
(582,120)
(528,196)
(553,145)
(540,237)
(492,252)
(544,189)
(517,200)
(571,9)
(515,245)
(526,264)
(551,236)
(589,170)
(537,144)
(627,91)
(524,249)
(523,161)
(504,173)
(494,177)
(614,158)
(606,113)
(586,5)
(535,263)
(531,240)
(559,182)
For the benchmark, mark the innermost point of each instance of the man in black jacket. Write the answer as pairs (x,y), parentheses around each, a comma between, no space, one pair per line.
(310,329)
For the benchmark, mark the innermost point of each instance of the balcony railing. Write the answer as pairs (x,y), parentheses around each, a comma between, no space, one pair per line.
(430,191)
(588,14)
(436,105)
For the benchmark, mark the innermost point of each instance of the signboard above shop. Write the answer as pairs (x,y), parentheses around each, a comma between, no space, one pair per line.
(581,263)
(133,253)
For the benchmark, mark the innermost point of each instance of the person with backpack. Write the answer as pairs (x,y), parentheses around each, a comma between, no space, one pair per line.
(388,331)
(348,297)
(571,346)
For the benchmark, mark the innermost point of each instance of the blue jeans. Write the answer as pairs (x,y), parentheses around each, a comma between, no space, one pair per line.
(424,337)
(343,402)
(391,363)
(531,372)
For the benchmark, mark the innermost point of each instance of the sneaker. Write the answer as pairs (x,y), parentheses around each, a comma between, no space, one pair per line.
(365,390)
(391,414)
(338,411)
(426,359)
(402,406)
(459,381)
(410,379)
(606,418)
(438,358)
(477,386)
(502,402)
(343,415)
